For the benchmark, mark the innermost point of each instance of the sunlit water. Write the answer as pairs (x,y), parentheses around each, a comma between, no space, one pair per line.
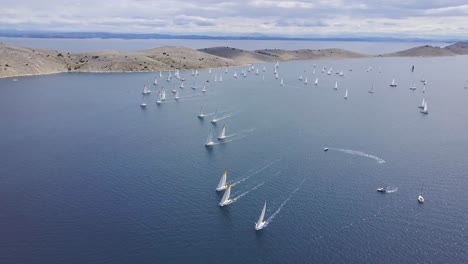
(87,176)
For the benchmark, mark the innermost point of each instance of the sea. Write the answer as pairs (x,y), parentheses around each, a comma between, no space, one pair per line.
(88,176)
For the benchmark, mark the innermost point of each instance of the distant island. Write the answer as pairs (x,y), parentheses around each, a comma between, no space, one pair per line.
(24,61)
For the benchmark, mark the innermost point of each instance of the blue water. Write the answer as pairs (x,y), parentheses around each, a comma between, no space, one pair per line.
(87,176)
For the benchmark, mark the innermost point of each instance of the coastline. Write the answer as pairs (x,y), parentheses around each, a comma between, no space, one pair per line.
(18,61)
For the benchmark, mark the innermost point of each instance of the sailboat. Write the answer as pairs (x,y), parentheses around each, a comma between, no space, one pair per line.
(235,74)
(336,85)
(329,71)
(181,85)
(194,86)
(209,140)
(204,89)
(222,136)
(424,110)
(393,84)
(226,200)
(159,101)
(163,95)
(214,120)
(346,94)
(423,103)
(216,78)
(201,115)
(209,71)
(413,87)
(371,91)
(341,73)
(264,69)
(276,76)
(305,82)
(256,72)
(155,81)
(220,78)
(143,104)
(160,74)
(226,70)
(420,197)
(316,81)
(222,182)
(176,96)
(261,223)
(146,90)
(300,78)
(282,83)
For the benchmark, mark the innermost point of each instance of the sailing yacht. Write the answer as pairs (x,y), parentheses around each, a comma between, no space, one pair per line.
(176,96)
(201,115)
(264,69)
(160,97)
(226,70)
(282,83)
(235,74)
(305,82)
(256,72)
(204,89)
(222,182)
(423,103)
(316,81)
(329,71)
(346,94)
(226,200)
(300,78)
(181,85)
(222,136)
(413,87)
(336,85)
(220,78)
(261,223)
(214,120)
(424,110)
(393,84)
(371,91)
(276,76)
(341,73)
(209,71)
(143,104)
(163,95)
(209,140)
(146,90)
(155,81)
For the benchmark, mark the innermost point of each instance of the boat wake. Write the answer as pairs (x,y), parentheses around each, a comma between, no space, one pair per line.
(270,219)
(252,174)
(359,153)
(245,193)
(225,117)
(391,190)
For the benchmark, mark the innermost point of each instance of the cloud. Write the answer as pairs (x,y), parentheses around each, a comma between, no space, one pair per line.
(293,18)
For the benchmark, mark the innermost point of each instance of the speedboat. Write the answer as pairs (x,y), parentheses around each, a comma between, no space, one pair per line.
(420,199)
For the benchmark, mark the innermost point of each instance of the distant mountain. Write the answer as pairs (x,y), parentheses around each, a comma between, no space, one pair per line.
(459,48)
(252,36)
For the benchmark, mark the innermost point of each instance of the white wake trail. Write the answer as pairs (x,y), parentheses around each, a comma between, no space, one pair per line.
(359,153)
(252,174)
(270,219)
(245,193)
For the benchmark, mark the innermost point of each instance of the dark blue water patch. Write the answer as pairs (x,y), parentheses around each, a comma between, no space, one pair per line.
(87,176)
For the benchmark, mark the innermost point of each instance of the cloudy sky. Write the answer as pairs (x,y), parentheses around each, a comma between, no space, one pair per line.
(399,18)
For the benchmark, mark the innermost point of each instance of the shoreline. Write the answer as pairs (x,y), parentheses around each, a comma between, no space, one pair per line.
(18,61)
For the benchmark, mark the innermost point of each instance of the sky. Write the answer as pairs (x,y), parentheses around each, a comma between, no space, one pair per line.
(320,18)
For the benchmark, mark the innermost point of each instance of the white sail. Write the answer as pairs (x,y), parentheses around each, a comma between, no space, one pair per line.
(181,85)
(209,140)
(222,182)
(316,81)
(276,76)
(146,90)
(300,78)
(226,70)
(216,78)
(305,82)
(209,71)
(282,83)
(201,115)
(336,85)
(155,81)
(222,136)
(425,110)
(235,74)
(220,78)
(261,222)
(176,96)
(423,103)
(346,94)
(226,197)
(256,72)
(163,95)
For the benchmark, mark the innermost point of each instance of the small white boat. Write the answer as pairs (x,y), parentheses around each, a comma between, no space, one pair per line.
(176,96)
(201,115)
(382,189)
(346,94)
(329,71)
(282,83)
(160,97)
(226,200)
(423,103)
(413,86)
(420,199)
(222,182)
(336,85)
(341,73)
(163,95)
(371,91)
(306,82)
(300,78)
(174,91)
(261,223)
(425,110)
(143,104)
(204,89)
(155,81)
(235,75)
(316,81)
(393,84)
(146,90)
(209,141)
(214,120)
(222,136)
(209,71)
(325,149)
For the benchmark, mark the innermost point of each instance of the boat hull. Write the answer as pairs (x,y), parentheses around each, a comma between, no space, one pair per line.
(260,226)
(228,202)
